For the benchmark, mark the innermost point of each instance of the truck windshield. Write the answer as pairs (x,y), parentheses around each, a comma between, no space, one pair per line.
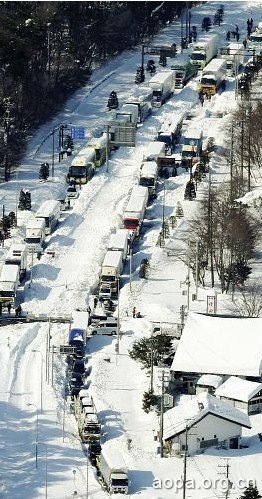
(33,240)
(131,224)
(157,93)
(179,74)
(108,278)
(118,482)
(208,81)
(146,182)
(77,171)
(197,57)
(7,294)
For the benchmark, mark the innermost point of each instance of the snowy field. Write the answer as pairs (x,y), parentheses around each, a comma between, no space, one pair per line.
(64,282)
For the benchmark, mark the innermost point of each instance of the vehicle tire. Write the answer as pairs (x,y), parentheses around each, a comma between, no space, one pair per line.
(113,333)
(94,332)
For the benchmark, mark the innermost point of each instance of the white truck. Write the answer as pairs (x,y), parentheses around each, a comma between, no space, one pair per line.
(153,150)
(213,77)
(35,235)
(17,255)
(128,114)
(192,145)
(119,242)
(50,211)
(234,55)
(204,50)
(111,271)
(9,281)
(134,212)
(148,176)
(113,470)
(142,98)
(163,86)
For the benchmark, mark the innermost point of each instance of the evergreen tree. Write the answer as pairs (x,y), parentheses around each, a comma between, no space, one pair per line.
(160,345)
(27,200)
(22,200)
(44,171)
(68,142)
(162,59)
(112,101)
(190,191)
(140,75)
(251,492)
(149,400)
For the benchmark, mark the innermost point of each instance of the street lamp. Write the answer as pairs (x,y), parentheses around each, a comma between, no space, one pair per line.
(41,380)
(36,433)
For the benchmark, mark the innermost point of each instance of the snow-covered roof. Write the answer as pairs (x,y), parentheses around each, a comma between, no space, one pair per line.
(214,66)
(153,150)
(219,345)
(149,169)
(118,241)
(48,207)
(112,259)
(113,456)
(161,77)
(85,156)
(210,380)
(189,412)
(35,223)
(238,389)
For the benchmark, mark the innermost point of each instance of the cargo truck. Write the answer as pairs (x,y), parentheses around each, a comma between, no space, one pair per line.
(255,38)
(142,98)
(50,211)
(234,56)
(169,133)
(184,70)
(17,255)
(192,145)
(9,281)
(213,77)
(163,85)
(128,114)
(111,270)
(35,235)
(119,242)
(134,212)
(153,150)
(204,51)
(148,176)
(113,470)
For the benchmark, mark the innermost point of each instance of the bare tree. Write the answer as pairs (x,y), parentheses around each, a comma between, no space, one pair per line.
(249,301)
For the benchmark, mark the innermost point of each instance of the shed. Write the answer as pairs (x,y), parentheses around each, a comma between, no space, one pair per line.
(242,394)
(208,383)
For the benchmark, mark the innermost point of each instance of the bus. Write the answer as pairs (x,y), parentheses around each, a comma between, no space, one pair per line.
(82,167)
(98,144)
(50,210)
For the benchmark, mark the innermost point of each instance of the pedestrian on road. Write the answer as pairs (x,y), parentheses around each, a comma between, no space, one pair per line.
(251,23)
(228,36)
(18,311)
(245,43)
(95,302)
(9,306)
(134,312)
(201,98)
(89,309)
(237,29)
(237,37)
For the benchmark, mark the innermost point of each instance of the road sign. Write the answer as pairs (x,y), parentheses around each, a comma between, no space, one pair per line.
(66,349)
(211,304)
(77,132)
(125,135)
(168,400)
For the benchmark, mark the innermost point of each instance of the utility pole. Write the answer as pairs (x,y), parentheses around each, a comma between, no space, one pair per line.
(242,150)
(185,465)
(118,316)
(163,209)
(162,417)
(249,150)
(226,472)
(142,57)
(231,162)
(130,269)
(151,368)
(197,265)
(53,153)
(188,285)
(107,147)
(210,230)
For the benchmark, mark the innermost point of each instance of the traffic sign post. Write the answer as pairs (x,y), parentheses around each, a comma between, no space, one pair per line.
(78,132)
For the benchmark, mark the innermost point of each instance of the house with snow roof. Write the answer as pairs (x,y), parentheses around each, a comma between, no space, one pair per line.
(223,346)
(208,383)
(242,394)
(202,421)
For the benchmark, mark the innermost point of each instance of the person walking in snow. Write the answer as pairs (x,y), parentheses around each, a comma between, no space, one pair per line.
(134,312)
(18,311)
(95,302)
(237,37)
(201,98)
(228,36)
(245,44)
(9,306)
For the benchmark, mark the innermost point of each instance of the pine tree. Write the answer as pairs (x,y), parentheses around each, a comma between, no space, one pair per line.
(22,200)
(149,399)
(27,200)
(68,142)
(162,59)
(44,171)
(140,75)
(251,492)
(112,101)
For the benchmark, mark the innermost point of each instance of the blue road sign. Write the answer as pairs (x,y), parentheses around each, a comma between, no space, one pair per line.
(77,132)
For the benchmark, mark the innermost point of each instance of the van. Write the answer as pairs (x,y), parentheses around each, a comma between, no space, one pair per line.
(96,318)
(108,327)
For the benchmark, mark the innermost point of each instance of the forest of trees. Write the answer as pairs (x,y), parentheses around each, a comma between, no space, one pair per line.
(48,49)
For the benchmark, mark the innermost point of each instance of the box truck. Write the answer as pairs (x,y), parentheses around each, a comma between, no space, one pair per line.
(184,70)
(50,211)
(111,270)
(153,150)
(113,470)
(203,51)
(119,242)
(163,85)
(192,144)
(169,133)
(35,235)
(234,56)
(134,212)
(148,176)
(213,77)
(128,114)
(142,98)
(17,255)
(9,281)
